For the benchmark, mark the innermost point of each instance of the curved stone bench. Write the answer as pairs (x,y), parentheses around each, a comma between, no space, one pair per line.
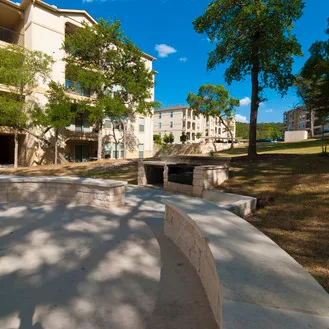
(80,191)
(185,233)
(240,205)
(249,280)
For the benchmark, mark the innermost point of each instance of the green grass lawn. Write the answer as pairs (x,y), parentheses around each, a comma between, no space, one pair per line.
(304,147)
(291,182)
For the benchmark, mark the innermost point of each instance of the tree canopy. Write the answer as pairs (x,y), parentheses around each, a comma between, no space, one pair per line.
(214,101)
(21,70)
(255,38)
(313,80)
(103,60)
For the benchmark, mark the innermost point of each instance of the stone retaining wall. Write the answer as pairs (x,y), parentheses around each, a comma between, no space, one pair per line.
(88,192)
(240,205)
(184,232)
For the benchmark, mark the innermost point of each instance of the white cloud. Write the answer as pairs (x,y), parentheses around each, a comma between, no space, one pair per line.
(245,101)
(269,111)
(241,118)
(164,50)
(183,59)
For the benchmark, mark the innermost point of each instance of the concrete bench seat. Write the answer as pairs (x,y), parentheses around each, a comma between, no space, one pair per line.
(249,280)
(98,193)
(240,205)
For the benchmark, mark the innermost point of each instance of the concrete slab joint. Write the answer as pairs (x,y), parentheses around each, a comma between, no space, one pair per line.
(184,232)
(77,191)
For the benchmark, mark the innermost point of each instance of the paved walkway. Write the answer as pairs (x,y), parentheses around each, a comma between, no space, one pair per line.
(70,268)
(80,268)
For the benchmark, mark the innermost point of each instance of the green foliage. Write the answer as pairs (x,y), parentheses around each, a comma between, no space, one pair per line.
(166,139)
(264,130)
(157,139)
(106,62)
(20,71)
(198,135)
(112,67)
(244,29)
(255,37)
(215,101)
(313,81)
(171,138)
(183,137)
(58,112)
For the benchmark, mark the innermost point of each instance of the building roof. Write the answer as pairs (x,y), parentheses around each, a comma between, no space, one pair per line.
(174,107)
(23,5)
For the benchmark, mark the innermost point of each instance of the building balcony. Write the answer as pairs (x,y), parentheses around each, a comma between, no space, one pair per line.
(11,37)
(75,88)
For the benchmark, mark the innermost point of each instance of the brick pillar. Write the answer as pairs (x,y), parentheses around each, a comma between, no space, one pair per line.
(142,181)
(198,181)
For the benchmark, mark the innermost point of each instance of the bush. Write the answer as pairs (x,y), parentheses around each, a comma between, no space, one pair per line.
(183,138)
(157,139)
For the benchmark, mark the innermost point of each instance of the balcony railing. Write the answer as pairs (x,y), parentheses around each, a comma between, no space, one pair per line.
(74,87)
(12,37)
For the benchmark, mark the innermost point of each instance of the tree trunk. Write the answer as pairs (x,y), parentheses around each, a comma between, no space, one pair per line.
(100,142)
(252,151)
(56,147)
(16,149)
(312,123)
(229,131)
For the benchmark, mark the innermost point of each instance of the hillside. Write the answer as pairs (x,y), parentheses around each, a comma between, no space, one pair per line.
(264,130)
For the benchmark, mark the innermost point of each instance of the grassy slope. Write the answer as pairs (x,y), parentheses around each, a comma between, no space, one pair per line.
(294,194)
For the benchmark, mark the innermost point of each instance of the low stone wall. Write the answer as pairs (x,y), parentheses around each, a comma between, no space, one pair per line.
(240,205)
(208,177)
(88,192)
(184,232)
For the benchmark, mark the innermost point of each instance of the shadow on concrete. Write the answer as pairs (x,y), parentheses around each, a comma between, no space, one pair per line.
(78,267)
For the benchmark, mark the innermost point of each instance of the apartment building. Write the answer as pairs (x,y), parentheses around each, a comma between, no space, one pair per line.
(301,119)
(180,118)
(37,25)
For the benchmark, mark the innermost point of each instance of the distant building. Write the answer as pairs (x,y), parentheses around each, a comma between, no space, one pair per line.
(297,119)
(180,118)
(302,119)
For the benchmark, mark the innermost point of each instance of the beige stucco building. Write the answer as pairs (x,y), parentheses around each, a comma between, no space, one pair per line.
(37,25)
(180,118)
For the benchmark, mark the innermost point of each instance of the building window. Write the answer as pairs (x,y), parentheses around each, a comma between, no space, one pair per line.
(171,114)
(141,125)
(160,115)
(82,124)
(107,150)
(107,123)
(171,124)
(141,151)
(160,125)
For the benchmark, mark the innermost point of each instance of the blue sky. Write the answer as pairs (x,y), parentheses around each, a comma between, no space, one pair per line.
(169,22)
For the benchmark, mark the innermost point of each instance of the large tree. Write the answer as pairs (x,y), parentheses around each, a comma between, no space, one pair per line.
(21,71)
(102,59)
(215,101)
(255,37)
(58,113)
(313,82)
